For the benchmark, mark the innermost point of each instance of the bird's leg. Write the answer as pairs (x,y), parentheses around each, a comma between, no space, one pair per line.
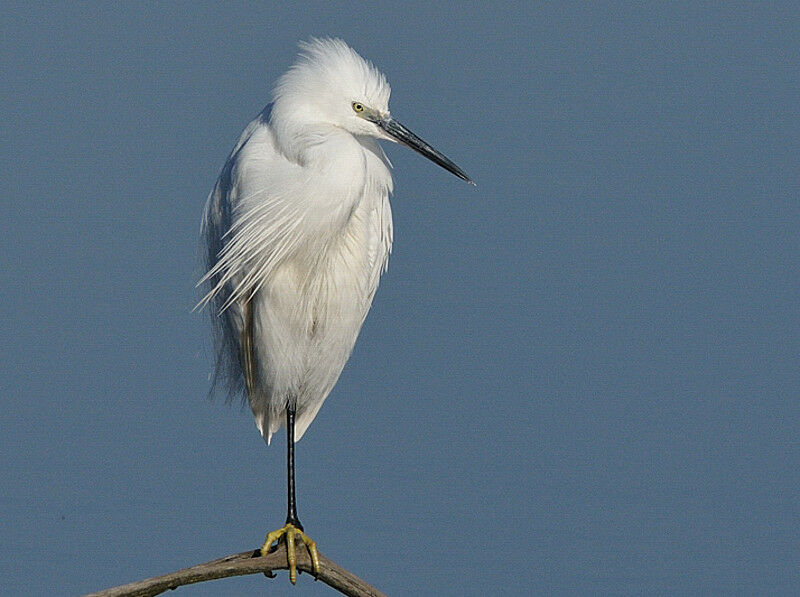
(246,351)
(293,528)
(291,516)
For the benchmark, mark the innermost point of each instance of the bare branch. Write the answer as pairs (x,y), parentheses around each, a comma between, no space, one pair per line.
(247,562)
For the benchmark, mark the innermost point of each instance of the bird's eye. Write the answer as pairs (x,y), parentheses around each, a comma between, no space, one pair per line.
(358,107)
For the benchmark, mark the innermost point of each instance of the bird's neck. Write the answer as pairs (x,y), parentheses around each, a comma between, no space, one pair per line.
(334,153)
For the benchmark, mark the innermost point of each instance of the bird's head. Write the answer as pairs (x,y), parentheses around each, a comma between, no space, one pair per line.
(330,85)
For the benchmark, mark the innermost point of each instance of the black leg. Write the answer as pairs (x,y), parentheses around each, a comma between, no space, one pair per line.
(291,517)
(293,529)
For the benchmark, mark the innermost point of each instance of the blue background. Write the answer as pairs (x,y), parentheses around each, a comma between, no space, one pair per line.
(581,377)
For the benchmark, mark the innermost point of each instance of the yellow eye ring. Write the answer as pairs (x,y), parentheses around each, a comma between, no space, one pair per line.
(358,107)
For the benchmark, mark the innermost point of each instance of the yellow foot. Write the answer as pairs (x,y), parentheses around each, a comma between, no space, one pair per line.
(289,532)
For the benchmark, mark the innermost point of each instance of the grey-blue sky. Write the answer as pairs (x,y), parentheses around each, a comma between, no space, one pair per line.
(580,377)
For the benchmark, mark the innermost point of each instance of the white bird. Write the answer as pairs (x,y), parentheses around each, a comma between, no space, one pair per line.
(298,229)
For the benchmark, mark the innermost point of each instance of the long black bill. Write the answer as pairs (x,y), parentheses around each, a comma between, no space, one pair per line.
(403,135)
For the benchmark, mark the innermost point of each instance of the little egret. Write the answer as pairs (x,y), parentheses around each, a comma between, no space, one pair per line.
(298,230)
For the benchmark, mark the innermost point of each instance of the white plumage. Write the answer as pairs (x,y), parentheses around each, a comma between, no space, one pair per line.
(298,230)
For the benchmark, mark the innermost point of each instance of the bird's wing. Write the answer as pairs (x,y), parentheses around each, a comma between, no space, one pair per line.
(247,228)
(252,218)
